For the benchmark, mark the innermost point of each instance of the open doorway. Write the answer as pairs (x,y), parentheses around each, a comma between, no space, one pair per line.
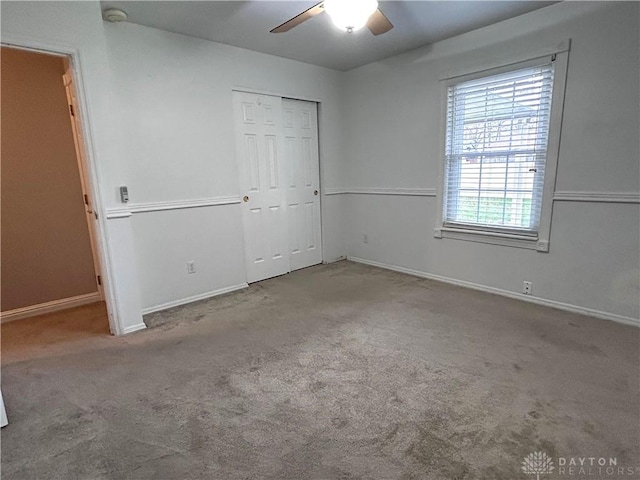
(51,279)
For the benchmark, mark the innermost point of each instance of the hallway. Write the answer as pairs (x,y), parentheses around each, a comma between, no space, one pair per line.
(53,334)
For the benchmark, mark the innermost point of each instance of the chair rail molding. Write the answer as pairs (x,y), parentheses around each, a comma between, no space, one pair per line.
(596,197)
(414,192)
(144,207)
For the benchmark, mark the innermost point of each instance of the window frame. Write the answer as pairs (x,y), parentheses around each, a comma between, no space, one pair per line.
(496,235)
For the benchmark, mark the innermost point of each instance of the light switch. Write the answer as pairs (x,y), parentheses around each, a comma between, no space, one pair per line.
(124,194)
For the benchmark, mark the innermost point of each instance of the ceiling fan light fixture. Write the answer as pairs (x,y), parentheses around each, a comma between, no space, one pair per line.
(350,15)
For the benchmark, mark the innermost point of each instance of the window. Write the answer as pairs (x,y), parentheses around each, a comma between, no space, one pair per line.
(500,151)
(496,150)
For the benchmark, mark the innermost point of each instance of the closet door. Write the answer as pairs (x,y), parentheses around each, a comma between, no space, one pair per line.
(263,184)
(300,128)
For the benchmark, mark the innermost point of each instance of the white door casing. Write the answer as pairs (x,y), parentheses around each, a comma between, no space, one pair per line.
(262,184)
(78,141)
(300,129)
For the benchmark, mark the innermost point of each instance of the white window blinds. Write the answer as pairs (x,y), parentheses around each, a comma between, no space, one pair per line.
(496,148)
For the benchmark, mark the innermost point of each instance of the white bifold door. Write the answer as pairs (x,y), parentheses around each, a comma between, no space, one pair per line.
(262,185)
(277,150)
(300,126)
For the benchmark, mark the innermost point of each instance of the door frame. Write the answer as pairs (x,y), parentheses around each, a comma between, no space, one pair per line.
(318,102)
(88,161)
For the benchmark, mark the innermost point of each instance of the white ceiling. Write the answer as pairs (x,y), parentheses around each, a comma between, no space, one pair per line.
(246,24)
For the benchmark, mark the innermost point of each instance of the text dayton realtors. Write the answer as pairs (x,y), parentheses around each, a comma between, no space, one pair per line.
(593,466)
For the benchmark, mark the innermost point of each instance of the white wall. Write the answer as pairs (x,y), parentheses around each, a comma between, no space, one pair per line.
(160,112)
(174,98)
(394,127)
(77,27)
(161,123)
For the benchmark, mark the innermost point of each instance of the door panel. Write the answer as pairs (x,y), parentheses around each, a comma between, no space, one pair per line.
(79,143)
(310,225)
(300,126)
(294,229)
(264,212)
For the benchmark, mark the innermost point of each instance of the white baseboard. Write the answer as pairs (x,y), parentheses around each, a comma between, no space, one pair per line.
(49,307)
(334,260)
(194,298)
(505,293)
(134,328)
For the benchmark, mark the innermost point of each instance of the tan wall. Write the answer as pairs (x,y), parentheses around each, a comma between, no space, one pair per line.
(46,250)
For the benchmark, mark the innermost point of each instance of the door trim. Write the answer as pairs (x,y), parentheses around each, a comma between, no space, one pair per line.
(76,65)
(273,93)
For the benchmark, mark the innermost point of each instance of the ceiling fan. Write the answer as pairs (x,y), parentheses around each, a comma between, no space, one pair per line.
(348,15)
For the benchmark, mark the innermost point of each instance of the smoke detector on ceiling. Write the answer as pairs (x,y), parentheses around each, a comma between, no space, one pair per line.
(114,15)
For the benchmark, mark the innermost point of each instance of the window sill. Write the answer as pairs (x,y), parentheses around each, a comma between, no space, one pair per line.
(494,238)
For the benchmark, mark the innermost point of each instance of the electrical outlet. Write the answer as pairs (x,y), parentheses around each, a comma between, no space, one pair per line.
(365,238)
(527,287)
(191,267)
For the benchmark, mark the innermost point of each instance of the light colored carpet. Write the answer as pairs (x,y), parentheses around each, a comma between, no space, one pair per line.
(335,372)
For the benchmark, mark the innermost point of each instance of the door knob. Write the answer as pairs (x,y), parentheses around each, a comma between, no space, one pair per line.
(315,192)
(245,198)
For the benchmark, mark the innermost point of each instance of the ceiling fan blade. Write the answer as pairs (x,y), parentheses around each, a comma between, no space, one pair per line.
(298,19)
(378,23)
